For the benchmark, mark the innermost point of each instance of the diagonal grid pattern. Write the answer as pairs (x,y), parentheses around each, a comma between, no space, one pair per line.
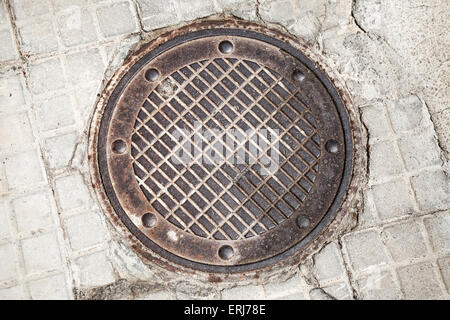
(225,199)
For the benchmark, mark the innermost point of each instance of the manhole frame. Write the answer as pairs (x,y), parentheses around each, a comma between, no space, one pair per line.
(309,244)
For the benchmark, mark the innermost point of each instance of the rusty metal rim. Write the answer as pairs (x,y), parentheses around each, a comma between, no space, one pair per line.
(104,125)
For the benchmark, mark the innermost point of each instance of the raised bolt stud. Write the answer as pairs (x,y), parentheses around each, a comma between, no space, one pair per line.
(149,220)
(226,252)
(303,221)
(151,74)
(119,146)
(332,146)
(225,47)
(298,75)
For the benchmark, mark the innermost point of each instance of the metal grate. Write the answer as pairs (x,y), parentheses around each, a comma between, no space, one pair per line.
(238,196)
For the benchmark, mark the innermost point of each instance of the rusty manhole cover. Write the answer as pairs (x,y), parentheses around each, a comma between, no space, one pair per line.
(223,149)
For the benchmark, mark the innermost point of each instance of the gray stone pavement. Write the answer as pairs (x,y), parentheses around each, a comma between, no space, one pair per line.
(393,58)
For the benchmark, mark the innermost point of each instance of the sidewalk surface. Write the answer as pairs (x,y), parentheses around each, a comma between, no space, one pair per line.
(393,57)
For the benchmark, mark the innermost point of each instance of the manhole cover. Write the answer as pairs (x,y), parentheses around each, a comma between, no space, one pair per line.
(223,148)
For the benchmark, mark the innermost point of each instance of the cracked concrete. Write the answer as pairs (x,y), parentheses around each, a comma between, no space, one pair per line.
(392,58)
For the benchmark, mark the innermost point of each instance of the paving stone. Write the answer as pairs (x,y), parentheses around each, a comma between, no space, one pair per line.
(376,120)
(365,250)
(194,9)
(319,294)
(159,295)
(46,75)
(11,93)
(290,287)
(328,263)
(186,290)
(197,294)
(85,230)
(438,228)
(339,291)
(406,114)
(12,293)
(303,18)
(384,160)
(365,12)
(3,181)
(86,96)
(419,282)
(33,211)
(157,13)
(69,5)
(404,241)
(8,49)
(72,192)
(38,260)
(444,266)
(24,169)
(379,286)
(76,27)
(112,49)
(442,126)
(295,296)
(249,292)
(51,288)
(280,11)
(128,264)
(116,19)
(432,189)
(231,3)
(393,199)
(85,66)
(309,18)
(3,18)
(94,270)
(5,224)
(8,267)
(55,112)
(338,13)
(15,131)
(60,149)
(420,151)
(354,52)
(244,9)
(38,36)
(368,216)
(24,9)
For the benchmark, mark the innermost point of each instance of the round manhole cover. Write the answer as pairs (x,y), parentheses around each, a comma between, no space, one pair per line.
(223,148)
